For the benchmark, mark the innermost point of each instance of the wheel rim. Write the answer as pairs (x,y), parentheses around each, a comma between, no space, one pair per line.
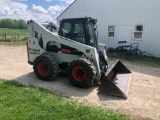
(43,68)
(110,51)
(129,56)
(79,73)
(120,50)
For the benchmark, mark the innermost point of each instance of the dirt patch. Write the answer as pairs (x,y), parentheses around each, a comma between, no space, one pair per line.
(144,94)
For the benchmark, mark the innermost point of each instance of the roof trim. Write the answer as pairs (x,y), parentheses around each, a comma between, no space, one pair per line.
(66,8)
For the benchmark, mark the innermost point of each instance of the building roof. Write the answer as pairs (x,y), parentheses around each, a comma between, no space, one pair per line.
(67,8)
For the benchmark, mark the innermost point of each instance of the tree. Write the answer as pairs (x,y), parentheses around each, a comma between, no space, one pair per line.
(13,23)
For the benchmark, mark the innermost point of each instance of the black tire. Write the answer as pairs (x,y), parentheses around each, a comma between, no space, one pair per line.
(81,72)
(138,52)
(45,67)
(103,61)
(120,50)
(129,56)
(110,51)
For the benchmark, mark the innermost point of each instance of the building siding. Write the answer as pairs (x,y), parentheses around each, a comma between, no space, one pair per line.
(124,14)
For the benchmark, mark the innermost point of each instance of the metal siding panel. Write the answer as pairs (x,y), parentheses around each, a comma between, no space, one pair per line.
(122,13)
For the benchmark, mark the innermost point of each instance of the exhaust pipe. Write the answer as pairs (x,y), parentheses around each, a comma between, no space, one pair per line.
(116,81)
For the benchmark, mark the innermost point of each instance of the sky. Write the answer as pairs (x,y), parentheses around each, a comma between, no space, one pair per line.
(38,10)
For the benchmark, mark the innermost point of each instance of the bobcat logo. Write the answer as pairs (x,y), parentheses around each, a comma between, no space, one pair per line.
(88,51)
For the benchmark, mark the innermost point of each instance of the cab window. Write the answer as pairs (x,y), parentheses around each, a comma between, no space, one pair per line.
(79,33)
(91,35)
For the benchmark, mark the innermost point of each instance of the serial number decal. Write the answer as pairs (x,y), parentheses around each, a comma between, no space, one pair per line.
(34,51)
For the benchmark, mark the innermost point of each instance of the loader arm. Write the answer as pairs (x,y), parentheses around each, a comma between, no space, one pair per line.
(88,51)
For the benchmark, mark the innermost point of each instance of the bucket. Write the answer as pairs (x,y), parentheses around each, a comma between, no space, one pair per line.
(116,80)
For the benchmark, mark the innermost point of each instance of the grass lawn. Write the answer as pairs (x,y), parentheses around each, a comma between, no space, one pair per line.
(140,60)
(13,31)
(20,103)
(16,42)
(11,39)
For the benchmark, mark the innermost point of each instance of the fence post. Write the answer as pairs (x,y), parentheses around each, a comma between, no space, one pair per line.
(18,36)
(5,36)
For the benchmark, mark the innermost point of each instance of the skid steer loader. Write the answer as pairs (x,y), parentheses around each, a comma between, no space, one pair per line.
(74,47)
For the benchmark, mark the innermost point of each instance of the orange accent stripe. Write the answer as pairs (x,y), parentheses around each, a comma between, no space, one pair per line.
(32,53)
(66,51)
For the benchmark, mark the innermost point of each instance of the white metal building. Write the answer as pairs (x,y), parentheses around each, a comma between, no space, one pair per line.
(135,21)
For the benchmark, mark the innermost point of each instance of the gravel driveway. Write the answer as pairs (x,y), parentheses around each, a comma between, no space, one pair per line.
(144,94)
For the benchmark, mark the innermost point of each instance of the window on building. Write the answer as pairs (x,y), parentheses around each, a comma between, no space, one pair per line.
(138,32)
(111,31)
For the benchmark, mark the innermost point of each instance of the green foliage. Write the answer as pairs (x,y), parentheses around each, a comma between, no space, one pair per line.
(13,43)
(14,36)
(12,23)
(14,31)
(18,102)
(140,60)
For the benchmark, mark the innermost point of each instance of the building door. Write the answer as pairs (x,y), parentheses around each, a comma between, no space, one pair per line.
(124,33)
